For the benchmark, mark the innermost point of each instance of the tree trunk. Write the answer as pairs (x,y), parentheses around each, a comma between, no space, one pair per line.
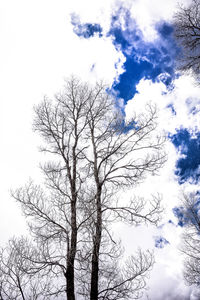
(72,254)
(70,283)
(73,246)
(96,249)
(20,288)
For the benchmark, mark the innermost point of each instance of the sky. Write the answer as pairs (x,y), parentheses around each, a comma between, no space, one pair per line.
(130,45)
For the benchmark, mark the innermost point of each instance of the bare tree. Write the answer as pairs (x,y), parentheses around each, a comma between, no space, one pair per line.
(96,155)
(129,281)
(187,33)
(55,215)
(191,238)
(120,159)
(118,278)
(17,282)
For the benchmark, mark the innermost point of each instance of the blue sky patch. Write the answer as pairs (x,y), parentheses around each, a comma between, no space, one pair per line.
(143,60)
(119,39)
(171,222)
(85,30)
(188,166)
(125,128)
(160,242)
(171,107)
(193,105)
(188,215)
(134,71)
(179,213)
(165,30)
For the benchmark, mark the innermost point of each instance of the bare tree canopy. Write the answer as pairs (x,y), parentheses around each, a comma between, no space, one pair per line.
(17,278)
(187,33)
(94,155)
(191,238)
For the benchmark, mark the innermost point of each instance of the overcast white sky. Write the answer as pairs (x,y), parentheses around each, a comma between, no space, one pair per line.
(43,42)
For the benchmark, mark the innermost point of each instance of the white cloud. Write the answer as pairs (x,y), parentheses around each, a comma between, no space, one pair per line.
(184,98)
(168,122)
(148,13)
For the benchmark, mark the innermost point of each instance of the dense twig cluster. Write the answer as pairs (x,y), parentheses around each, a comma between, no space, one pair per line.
(191,238)
(187,33)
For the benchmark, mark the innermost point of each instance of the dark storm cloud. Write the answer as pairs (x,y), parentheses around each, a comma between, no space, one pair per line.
(85,30)
(187,167)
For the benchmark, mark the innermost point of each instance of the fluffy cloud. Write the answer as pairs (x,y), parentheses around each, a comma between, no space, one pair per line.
(149,14)
(179,105)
